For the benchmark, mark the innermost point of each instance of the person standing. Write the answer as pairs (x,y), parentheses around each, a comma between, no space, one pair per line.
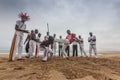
(32,44)
(38,45)
(75,48)
(92,46)
(81,45)
(17,44)
(69,39)
(54,44)
(68,50)
(27,40)
(60,44)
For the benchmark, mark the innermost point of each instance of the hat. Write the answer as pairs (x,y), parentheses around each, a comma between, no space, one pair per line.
(24,15)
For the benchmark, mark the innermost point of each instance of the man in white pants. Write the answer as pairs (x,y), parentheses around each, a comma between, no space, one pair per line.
(66,42)
(38,45)
(32,44)
(20,30)
(45,44)
(92,46)
(54,44)
(81,44)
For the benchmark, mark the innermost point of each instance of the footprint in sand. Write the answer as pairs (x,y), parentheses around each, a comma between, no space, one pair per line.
(2,68)
(19,68)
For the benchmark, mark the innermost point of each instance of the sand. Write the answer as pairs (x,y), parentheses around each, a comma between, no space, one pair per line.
(107,67)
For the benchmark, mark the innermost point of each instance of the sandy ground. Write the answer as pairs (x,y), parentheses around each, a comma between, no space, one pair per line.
(107,67)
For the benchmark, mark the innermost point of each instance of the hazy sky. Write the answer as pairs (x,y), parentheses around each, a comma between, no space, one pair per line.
(102,17)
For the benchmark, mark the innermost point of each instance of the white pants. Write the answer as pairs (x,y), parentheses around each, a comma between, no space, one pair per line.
(38,49)
(32,44)
(93,47)
(54,48)
(18,47)
(46,51)
(66,43)
(82,50)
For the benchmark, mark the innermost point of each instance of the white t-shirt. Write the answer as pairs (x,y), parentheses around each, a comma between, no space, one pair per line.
(81,42)
(54,42)
(60,43)
(22,26)
(91,38)
(39,40)
(75,43)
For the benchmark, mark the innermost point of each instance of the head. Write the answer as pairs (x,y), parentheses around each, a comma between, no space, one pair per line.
(60,37)
(32,31)
(24,17)
(68,31)
(39,34)
(54,35)
(45,38)
(48,33)
(36,31)
(90,33)
(79,36)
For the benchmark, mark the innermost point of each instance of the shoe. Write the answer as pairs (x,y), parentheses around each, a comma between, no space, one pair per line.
(44,61)
(27,56)
(10,60)
(20,59)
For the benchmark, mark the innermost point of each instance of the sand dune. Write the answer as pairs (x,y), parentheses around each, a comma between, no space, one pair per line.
(104,68)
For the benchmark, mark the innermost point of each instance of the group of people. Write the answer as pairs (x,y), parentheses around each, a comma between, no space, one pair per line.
(80,41)
(34,44)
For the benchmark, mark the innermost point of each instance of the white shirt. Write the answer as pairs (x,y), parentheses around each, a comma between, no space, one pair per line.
(60,43)
(38,38)
(81,43)
(54,42)
(91,38)
(22,26)
(75,43)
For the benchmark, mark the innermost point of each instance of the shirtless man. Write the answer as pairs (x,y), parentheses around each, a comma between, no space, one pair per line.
(32,44)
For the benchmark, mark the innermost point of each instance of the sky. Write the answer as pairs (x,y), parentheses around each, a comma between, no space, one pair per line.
(102,17)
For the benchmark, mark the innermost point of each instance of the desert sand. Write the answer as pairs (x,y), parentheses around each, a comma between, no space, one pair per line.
(106,67)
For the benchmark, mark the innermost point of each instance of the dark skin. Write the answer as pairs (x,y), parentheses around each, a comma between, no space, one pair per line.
(17,27)
(60,37)
(68,32)
(28,37)
(91,36)
(33,36)
(48,33)
(36,31)
(54,35)
(80,40)
(45,43)
(76,39)
(39,35)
